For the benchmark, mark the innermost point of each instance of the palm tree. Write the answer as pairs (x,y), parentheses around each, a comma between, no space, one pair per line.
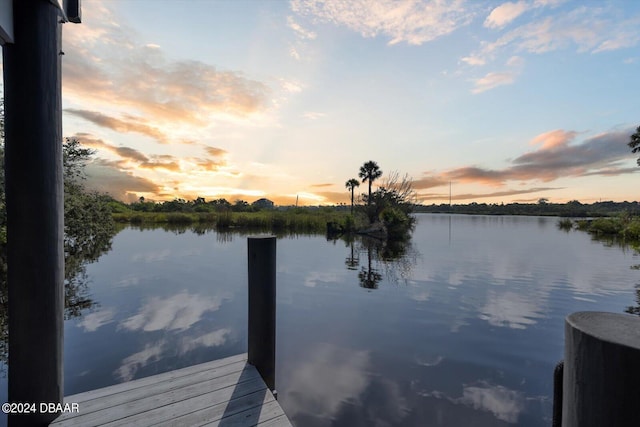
(351,185)
(370,171)
(635,142)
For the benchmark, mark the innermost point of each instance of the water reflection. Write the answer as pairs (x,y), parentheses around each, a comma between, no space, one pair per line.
(325,377)
(353,260)
(395,257)
(77,296)
(177,312)
(635,309)
(92,321)
(625,245)
(131,364)
(511,309)
(464,327)
(167,347)
(369,277)
(505,404)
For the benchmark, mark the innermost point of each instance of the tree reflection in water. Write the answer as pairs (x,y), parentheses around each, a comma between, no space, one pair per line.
(625,245)
(395,258)
(76,285)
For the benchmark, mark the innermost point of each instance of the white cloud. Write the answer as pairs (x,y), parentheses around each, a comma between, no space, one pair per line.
(406,21)
(299,29)
(549,3)
(293,52)
(505,13)
(515,61)
(585,28)
(106,63)
(474,60)
(291,86)
(178,312)
(494,79)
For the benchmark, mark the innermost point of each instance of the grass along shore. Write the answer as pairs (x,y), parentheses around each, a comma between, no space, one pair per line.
(291,220)
(624,226)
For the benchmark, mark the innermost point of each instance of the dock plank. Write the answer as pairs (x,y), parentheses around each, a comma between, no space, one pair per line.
(240,359)
(226,393)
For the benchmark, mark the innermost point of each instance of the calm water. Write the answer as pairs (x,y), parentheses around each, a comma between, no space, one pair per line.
(462,327)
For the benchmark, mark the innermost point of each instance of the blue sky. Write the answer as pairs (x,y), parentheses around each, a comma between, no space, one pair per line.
(508,101)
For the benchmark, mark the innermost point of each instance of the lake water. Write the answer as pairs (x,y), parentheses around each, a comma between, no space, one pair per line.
(461,327)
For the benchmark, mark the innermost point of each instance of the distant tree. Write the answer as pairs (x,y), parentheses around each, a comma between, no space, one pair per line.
(74,159)
(351,185)
(241,206)
(369,172)
(634,143)
(220,205)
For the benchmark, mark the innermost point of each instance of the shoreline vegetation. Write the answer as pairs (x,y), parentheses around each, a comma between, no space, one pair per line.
(607,218)
(294,220)
(624,227)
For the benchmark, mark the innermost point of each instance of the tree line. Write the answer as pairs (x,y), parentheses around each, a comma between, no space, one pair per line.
(570,209)
(199,204)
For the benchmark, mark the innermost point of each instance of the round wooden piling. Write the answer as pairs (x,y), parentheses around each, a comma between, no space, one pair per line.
(601,382)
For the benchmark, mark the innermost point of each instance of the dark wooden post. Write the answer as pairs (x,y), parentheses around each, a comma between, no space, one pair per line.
(601,380)
(262,306)
(34,198)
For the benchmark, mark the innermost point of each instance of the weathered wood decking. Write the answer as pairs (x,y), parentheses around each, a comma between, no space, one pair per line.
(227,392)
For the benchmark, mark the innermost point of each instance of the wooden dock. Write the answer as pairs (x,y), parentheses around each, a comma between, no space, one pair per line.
(226,392)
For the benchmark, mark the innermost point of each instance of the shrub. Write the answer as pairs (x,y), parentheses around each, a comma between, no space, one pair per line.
(632,230)
(606,226)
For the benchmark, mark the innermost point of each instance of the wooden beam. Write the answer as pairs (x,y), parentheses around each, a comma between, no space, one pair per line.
(34,199)
(73,11)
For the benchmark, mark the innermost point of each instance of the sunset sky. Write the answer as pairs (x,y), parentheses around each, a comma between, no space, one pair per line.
(508,101)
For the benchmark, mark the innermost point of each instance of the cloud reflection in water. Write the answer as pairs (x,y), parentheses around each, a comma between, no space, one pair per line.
(177,312)
(131,364)
(92,321)
(325,379)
